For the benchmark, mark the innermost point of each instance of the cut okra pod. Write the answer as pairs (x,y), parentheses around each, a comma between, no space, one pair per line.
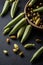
(5,7)
(37,54)
(14,8)
(15,20)
(20,32)
(26,33)
(18,26)
(28,46)
(40,9)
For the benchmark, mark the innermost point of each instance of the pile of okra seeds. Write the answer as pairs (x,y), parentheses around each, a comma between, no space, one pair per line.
(34,14)
(21,28)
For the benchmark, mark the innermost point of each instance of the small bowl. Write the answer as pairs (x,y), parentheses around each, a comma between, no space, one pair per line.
(38,27)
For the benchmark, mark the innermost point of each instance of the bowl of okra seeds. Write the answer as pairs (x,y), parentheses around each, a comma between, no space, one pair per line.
(34,13)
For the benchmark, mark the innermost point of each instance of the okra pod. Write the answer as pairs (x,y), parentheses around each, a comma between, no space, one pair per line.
(20,32)
(26,33)
(28,46)
(5,7)
(14,8)
(7,30)
(32,2)
(37,21)
(18,26)
(15,20)
(40,9)
(37,54)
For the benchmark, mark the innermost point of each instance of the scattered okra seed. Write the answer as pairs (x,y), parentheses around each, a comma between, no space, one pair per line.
(16,46)
(5,52)
(21,54)
(13,37)
(8,40)
(15,50)
(38,40)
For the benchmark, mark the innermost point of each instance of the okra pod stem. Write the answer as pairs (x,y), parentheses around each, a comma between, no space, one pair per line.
(40,9)
(5,7)
(15,20)
(18,26)
(26,33)
(14,8)
(37,54)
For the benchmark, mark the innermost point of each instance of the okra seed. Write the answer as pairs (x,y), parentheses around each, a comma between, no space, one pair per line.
(13,37)
(8,40)
(31,11)
(15,50)
(38,40)
(28,15)
(31,8)
(34,14)
(21,54)
(40,3)
(5,52)
(31,20)
(37,6)
(16,46)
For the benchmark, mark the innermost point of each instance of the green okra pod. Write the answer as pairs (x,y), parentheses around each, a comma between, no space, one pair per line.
(18,26)
(26,33)
(20,32)
(40,9)
(7,30)
(37,54)
(15,20)
(32,2)
(5,7)
(14,8)
(28,46)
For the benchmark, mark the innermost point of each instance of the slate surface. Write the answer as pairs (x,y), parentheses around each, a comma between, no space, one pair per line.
(15,59)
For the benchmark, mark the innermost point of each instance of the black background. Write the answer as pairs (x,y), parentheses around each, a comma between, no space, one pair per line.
(15,59)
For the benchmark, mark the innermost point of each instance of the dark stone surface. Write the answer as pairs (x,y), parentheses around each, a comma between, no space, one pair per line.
(14,59)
